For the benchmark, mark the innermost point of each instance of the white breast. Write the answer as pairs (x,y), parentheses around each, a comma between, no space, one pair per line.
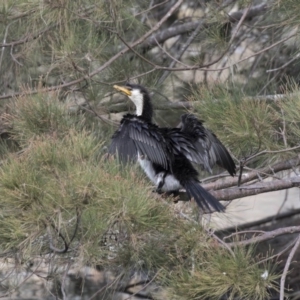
(171,184)
(148,168)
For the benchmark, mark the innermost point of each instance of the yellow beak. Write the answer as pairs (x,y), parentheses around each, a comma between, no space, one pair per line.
(122,89)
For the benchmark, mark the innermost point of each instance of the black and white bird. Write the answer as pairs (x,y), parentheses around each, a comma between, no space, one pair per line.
(166,154)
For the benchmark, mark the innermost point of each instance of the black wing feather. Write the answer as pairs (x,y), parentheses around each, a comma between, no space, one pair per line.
(222,156)
(183,144)
(122,146)
(209,147)
(137,136)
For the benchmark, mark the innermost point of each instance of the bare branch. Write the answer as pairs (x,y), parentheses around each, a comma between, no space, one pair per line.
(250,56)
(281,166)
(181,52)
(286,268)
(253,12)
(284,65)
(178,29)
(272,152)
(260,222)
(257,188)
(267,236)
(105,65)
(286,248)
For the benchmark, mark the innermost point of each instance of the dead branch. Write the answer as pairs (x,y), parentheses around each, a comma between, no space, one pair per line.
(105,65)
(260,222)
(264,172)
(251,13)
(286,267)
(179,29)
(266,236)
(255,189)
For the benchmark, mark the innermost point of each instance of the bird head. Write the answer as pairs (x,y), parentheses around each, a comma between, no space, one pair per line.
(138,95)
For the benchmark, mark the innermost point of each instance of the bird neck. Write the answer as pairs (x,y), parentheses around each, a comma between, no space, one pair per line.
(146,110)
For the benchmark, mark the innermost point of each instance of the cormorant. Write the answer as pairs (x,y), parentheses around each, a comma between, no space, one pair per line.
(166,154)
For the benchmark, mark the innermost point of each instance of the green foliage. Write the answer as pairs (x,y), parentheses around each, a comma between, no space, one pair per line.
(249,125)
(64,38)
(289,9)
(41,114)
(59,184)
(59,190)
(288,112)
(221,273)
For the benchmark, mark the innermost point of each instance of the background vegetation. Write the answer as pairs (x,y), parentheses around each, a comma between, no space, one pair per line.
(65,205)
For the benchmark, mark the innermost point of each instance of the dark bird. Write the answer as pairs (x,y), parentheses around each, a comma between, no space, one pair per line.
(166,154)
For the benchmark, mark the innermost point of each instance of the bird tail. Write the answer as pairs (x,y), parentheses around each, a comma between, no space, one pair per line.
(206,201)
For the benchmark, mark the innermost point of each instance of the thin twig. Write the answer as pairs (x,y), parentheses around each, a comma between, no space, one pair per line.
(286,268)
(225,245)
(271,152)
(285,65)
(246,58)
(180,53)
(52,247)
(242,232)
(260,222)
(267,236)
(289,246)
(66,245)
(105,65)
(64,280)
(4,41)
(267,171)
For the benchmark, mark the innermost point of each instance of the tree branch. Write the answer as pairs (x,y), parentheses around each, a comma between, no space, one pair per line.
(264,172)
(286,215)
(251,13)
(178,29)
(286,267)
(257,188)
(267,236)
(105,65)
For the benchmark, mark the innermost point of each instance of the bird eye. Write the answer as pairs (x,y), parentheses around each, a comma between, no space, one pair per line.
(128,86)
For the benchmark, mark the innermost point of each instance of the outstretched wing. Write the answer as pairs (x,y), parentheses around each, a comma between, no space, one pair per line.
(136,137)
(207,144)
(219,154)
(184,144)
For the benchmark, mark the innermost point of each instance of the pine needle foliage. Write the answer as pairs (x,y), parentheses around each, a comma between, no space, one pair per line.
(288,112)
(60,191)
(233,276)
(249,125)
(288,10)
(66,39)
(41,114)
